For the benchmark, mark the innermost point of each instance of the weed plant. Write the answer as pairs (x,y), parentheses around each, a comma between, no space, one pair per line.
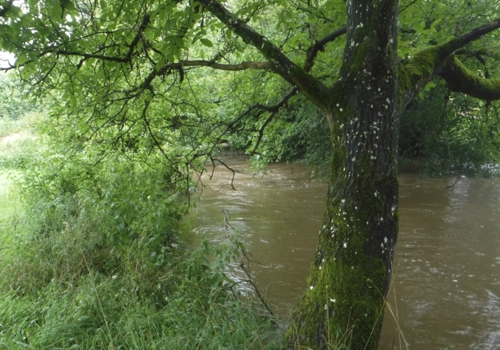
(183,305)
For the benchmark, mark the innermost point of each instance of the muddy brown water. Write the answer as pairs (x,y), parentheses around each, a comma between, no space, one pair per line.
(446,290)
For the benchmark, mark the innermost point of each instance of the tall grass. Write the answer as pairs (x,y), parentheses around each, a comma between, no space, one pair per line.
(16,140)
(98,261)
(49,302)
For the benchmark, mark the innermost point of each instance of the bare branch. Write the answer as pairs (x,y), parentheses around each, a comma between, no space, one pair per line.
(234,171)
(274,110)
(261,109)
(215,65)
(312,52)
(261,132)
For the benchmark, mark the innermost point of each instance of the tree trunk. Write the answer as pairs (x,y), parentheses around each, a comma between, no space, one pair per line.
(351,272)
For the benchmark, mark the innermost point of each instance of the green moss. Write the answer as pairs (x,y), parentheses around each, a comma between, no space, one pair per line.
(311,87)
(417,71)
(344,302)
(461,79)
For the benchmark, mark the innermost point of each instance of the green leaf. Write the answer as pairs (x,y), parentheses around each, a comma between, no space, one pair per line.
(206,42)
(160,63)
(430,85)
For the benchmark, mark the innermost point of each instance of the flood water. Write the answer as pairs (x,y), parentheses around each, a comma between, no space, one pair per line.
(445,290)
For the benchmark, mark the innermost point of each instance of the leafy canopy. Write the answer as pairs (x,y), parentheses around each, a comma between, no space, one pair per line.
(153,74)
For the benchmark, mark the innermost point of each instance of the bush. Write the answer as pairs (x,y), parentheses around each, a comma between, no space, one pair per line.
(450,133)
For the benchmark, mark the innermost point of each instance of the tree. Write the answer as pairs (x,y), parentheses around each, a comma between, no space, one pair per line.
(124,70)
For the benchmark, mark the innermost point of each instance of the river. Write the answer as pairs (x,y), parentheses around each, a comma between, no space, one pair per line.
(445,290)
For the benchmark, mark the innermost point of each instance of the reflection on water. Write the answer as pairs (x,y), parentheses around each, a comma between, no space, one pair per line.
(446,291)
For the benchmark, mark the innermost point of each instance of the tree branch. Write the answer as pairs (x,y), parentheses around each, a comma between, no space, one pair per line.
(274,110)
(215,65)
(85,56)
(312,52)
(479,53)
(309,86)
(460,79)
(419,69)
(262,108)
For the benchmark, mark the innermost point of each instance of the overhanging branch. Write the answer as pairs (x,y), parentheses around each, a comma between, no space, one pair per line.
(274,110)
(260,108)
(308,85)
(96,54)
(168,67)
(460,79)
(215,65)
(421,67)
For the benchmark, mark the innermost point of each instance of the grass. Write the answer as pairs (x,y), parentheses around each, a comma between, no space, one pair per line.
(58,293)
(10,212)
(105,312)
(64,285)
(70,290)
(16,139)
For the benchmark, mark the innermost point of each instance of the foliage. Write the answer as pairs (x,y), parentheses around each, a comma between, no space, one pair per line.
(288,138)
(18,117)
(14,99)
(140,111)
(121,197)
(142,88)
(185,304)
(97,261)
(450,133)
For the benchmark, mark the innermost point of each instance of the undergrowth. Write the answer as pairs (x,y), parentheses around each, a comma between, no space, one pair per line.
(98,260)
(52,301)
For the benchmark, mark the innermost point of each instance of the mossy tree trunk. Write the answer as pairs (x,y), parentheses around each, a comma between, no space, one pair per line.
(351,272)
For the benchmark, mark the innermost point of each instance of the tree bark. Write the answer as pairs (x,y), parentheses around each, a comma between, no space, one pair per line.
(351,272)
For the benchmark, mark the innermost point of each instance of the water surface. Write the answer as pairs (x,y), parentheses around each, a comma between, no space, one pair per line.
(445,290)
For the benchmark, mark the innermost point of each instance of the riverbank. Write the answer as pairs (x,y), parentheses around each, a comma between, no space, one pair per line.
(65,284)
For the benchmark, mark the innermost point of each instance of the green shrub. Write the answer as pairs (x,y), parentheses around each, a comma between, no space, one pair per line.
(450,133)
